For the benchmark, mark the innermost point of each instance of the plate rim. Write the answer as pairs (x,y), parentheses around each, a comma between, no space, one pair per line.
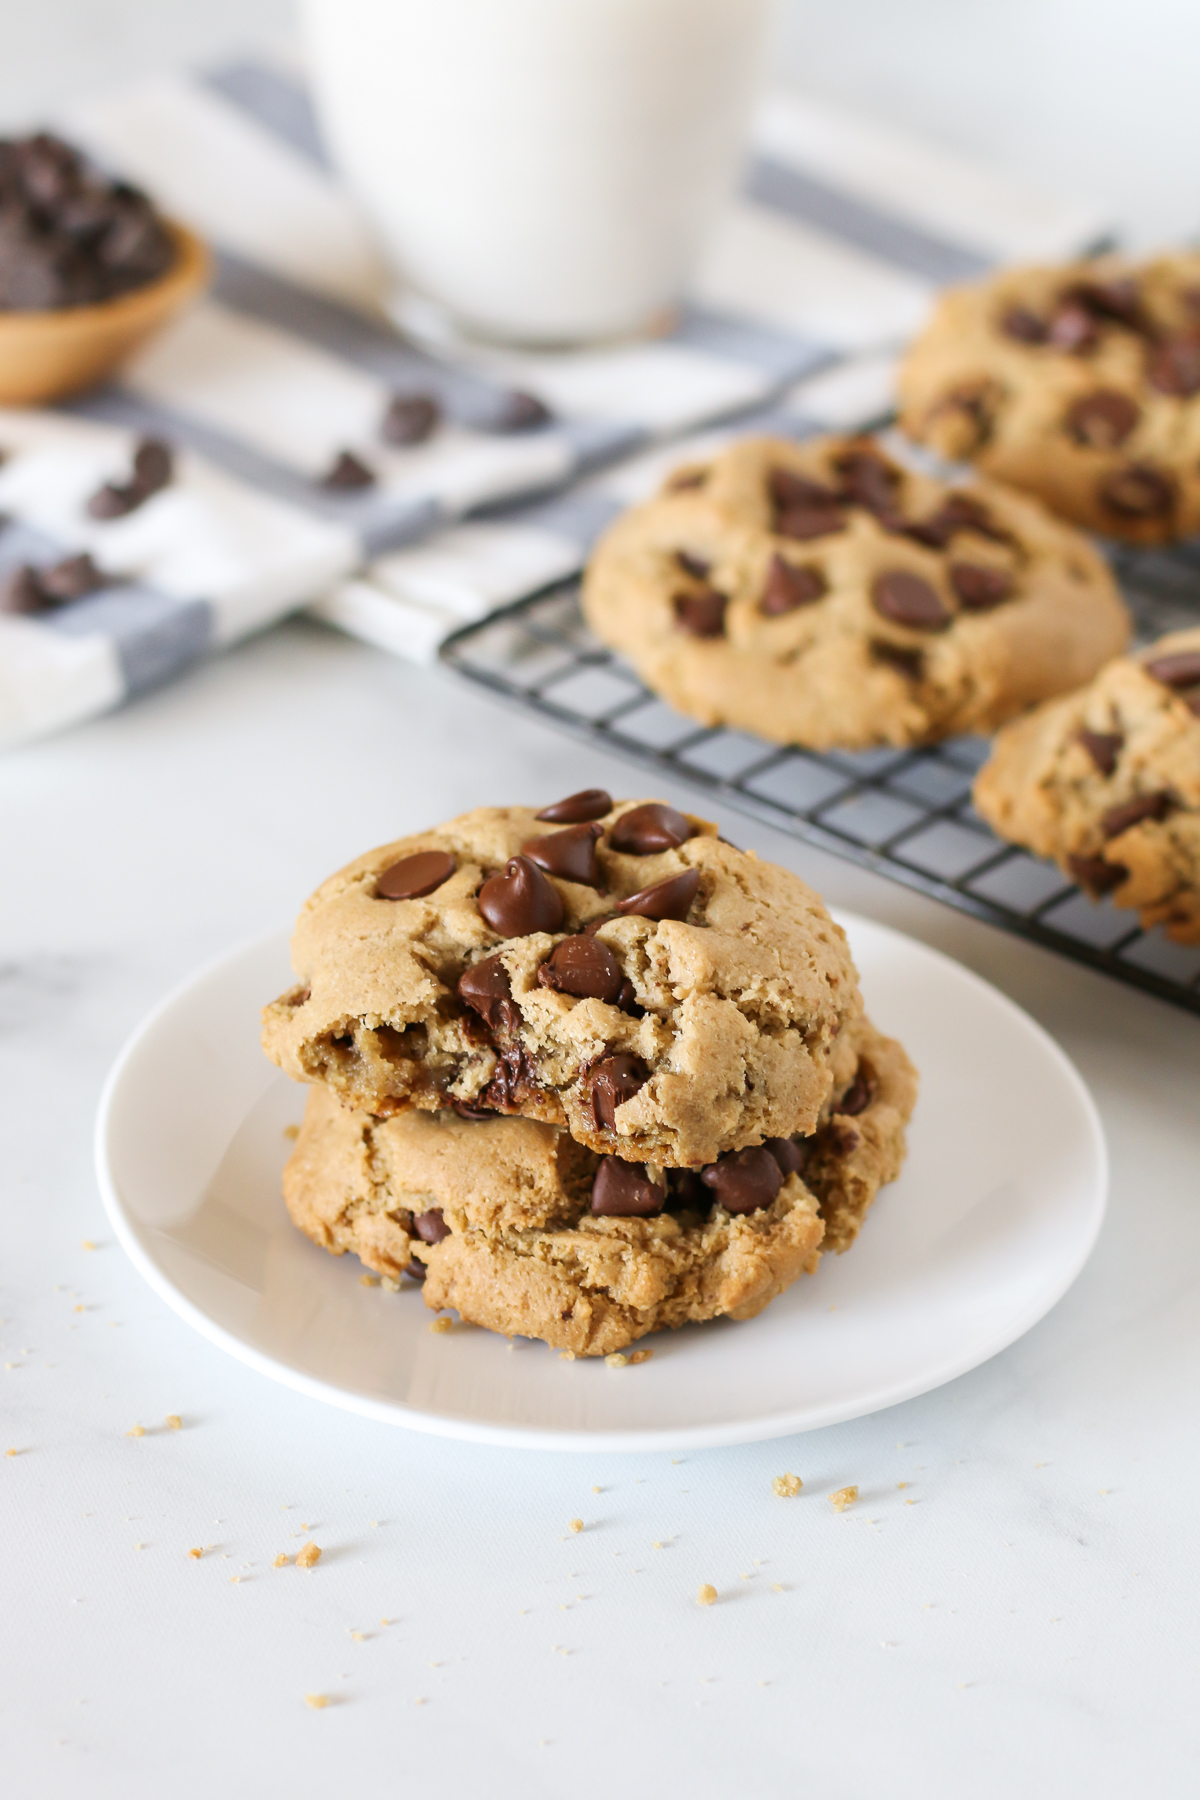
(788,1423)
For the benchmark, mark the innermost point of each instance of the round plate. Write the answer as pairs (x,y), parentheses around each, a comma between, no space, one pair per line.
(995,1212)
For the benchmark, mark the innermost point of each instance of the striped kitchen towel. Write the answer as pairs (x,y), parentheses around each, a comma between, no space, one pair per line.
(835,246)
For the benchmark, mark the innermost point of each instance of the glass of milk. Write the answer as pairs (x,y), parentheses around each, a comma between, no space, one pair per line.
(543,171)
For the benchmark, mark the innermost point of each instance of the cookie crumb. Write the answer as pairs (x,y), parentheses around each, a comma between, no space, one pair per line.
(359,1637)
(843,1498)
(786,1485)
(616,1359)
(292,1132)
(137,1431)
(316,1701)
(309,1557)
(442,1324)
(389,1284)
(86,1244)
(777,1587)
(707,1595)
(196,1554)
(902,1484)
(641,1356)
(368,1281)
(576,1524)
(563,1355)
(173,1422)
(281,1561)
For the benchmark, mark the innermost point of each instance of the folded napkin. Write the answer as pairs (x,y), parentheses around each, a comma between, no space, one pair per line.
(835,246)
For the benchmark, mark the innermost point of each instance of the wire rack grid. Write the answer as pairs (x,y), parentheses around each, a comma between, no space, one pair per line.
(906,814)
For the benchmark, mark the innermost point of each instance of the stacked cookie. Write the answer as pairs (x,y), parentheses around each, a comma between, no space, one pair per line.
(583,1072)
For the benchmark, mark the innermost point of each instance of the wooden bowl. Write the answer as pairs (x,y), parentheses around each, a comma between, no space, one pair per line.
(47,355)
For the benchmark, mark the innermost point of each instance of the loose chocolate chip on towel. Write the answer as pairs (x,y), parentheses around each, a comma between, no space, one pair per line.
(979,586)
(1133,812)
(519,411)
(347,473)
(789,586)
(521,900)
(1104,747)
(1102,420)
(21,591)
(701,611)
(584,967)
(410,419)
(612,1082)
(744,1181)
(669,899)
(623,1190)
(645,830)
(430,1226)
(577,809)
(486,989)
(415,876)
(153,467)
(71,578)
(907,599)
(570,854)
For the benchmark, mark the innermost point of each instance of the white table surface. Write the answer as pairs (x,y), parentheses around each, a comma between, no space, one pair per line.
(1029,1624)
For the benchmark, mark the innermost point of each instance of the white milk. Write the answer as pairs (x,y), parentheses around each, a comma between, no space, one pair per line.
(546,170)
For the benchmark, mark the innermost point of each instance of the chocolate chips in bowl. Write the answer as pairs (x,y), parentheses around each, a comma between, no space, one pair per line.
(88,270)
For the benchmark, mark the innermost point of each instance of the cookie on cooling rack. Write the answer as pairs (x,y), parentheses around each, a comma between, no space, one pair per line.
(524,1231)
(823,595)
(1080,384)
(1107,782)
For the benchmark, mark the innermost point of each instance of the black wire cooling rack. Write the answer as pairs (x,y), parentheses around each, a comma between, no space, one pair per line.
(906,814)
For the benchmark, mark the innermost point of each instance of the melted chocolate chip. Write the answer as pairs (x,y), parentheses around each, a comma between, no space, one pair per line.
(1073,329)
(410,419)
(1104,747)
(1096,875)
(908,599)
(979,587)
(695,566)
(902,657)
(415,876)
(1181,670)
(1133,812)
(744,1181)
(584,967)
(623,1190)
(430,1226)
(611,1083)
(513,1084)
(645,830)
(1102,420)
(486,989)
(346,473)
(477,1114)
(521,900)
(570,854)
(1174,367)
(1138,492)
(701,611)
(791,1154)
(577,809)
(1018,322)
(856,1098)
(668,899)
(789,586)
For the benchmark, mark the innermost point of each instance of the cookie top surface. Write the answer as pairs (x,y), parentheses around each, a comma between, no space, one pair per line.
(1079,383)
(823,594)
(1107,782)
(663,995)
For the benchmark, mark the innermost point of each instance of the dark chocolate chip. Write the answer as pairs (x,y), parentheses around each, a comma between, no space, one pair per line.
(685,1188)
(71,578)
(430,1226)
(113,500)
(1073,328)
(908,599)
(519,411)
(789,586)
(744,1181)
(410,419)
(1096,875)
(515,1082)
(1138,492)
(1174,367)
(790,491)
(958,512)
(868,480)
(695,566)
(416,1270)
(478,1115)
(153,466)
(415,876)
(1180,670)
(856,1098)
(1018,322)
(1132,812)
(806,523)
(521,900)
(669,899)
(1104,747)
(1117,300)
(1102,420)
(21,591)
(791,1154)
(347,473)
(584,967)
(570,854)
(623,1190)
(612,1082)
(486,989)
(701,611)
(645,830)
(577,809)
(978,586)
(904,658)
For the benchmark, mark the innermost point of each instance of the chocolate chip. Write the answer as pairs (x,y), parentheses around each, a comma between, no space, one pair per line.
(1096,875)
(479,1115)
(902,657)
(430,1226)
(744,1181)
(701,612)
(1138,492)
(1018,322)
(623,1190)
(570,854)
(486,989)
(979,587)
(416,1269)
(21,591)
(958,512)
(646,830)
(1143,806)
(71,578)
(789,586)
(611,1083)
(803,508)
(685,1189)
(791,1154)
(1073,329)
(113,500)
(1180,670)
(409,419)
(347,473)
(153,466)
(577,809)
(584,967)
(521,900)
(415,876)
(685,479)
(519,411)
(907,599)
(868,480)
(1118,300)
(1104,747)
(856,1098)
(806,523)
(1102,420)
(693,565)
(1174,367)
(668,899)
(515,1082)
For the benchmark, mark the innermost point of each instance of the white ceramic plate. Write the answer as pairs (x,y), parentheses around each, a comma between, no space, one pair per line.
(999,1204)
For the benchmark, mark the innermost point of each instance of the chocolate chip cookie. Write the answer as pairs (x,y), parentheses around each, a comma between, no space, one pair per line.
(1080,384)
(615,969)
(1107,782)
(824,595)
(525,1231)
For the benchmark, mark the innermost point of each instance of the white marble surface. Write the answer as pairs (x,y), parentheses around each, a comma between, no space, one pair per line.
(1028,1624)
